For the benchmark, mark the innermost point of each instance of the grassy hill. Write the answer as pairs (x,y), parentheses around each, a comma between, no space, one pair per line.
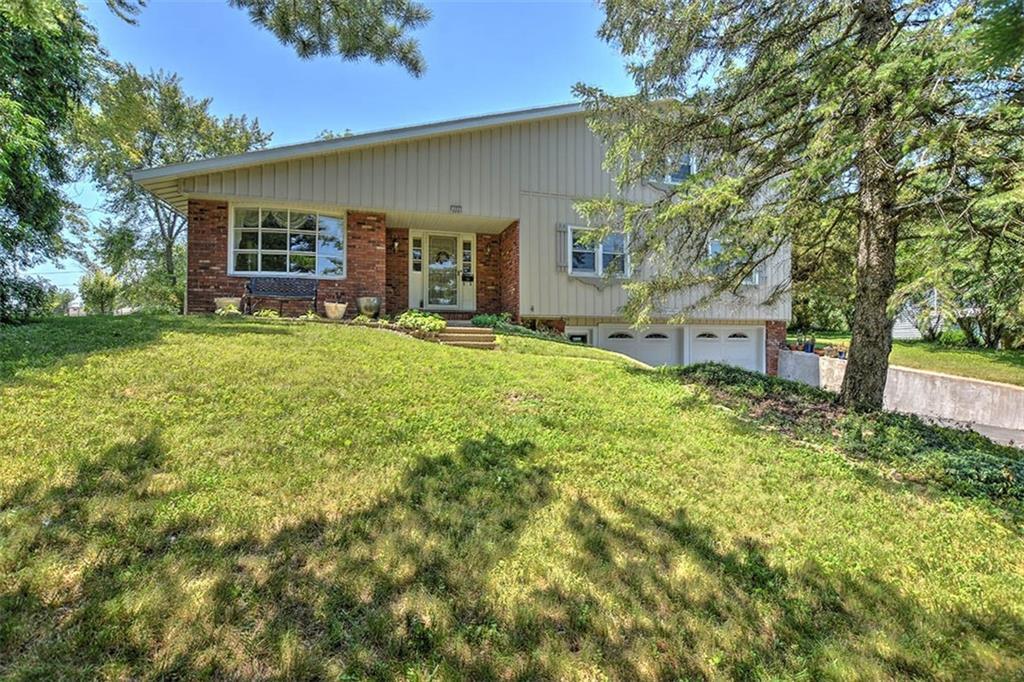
(230,498)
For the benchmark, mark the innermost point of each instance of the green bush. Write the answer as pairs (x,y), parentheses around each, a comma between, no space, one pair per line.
(267,313)
(491,319)
(419,320)
(228,310)
(309,315)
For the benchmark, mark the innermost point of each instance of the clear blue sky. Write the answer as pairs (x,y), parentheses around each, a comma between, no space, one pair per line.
(481,57)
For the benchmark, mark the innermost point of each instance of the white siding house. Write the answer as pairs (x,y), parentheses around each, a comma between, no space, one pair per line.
(466,182)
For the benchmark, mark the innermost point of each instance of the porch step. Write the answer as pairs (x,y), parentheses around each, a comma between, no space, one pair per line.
(468,337)
(479,345)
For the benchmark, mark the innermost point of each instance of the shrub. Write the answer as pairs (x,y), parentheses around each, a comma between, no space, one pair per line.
(491,319)
(267,313)
(99,291)
(309,315)
(419,320)
(24,298)
(229,310)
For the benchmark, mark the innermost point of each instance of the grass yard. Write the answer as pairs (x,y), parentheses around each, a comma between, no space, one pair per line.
(1004,366)
(243,499)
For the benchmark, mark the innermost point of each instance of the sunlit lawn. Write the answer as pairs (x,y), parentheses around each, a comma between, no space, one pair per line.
(204,497)
(1005,366)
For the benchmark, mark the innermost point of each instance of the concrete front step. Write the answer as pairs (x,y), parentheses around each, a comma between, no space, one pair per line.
(467,330)
(479,345)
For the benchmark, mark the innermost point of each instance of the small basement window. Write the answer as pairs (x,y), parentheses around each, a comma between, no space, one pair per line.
(579,337)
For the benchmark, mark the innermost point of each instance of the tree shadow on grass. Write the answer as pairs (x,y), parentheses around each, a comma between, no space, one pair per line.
(668,599)
(102,578)
(50,342)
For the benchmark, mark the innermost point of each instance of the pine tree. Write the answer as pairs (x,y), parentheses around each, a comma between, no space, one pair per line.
(808,122)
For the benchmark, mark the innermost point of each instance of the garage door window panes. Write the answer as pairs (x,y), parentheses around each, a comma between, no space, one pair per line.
(287,242)
(609,256)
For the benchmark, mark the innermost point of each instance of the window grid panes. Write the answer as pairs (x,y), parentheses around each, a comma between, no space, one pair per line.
(606,257)
(282,241)
(417,254)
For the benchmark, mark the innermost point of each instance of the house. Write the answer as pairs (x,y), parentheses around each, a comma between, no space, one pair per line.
(461,217)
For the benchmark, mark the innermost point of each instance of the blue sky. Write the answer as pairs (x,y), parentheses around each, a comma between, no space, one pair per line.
(481,57)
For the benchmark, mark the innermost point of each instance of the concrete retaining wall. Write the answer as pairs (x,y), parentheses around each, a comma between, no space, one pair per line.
(914,391)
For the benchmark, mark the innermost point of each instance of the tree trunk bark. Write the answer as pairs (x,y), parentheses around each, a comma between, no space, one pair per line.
(871,342)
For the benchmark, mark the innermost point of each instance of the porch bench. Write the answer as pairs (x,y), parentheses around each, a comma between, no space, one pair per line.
(280,288)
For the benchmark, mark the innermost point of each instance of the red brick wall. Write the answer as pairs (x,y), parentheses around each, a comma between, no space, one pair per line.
(488,275)
(208,253)
(508,269)
(396,266)
(774,336)
(208,256)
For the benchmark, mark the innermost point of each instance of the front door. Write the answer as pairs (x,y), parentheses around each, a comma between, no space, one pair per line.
(442,271)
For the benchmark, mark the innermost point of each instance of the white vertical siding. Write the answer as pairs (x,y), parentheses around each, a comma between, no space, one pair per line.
(531,171)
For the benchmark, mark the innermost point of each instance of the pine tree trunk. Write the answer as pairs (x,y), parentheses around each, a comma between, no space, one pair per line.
(871,342)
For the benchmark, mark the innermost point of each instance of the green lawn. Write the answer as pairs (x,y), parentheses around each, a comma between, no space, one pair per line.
(230,498)
(1005,366)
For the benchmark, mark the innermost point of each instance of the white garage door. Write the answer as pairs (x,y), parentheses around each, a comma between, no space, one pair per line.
(656,346)
(737,346)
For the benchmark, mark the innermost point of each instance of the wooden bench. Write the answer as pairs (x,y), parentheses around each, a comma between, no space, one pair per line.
(280,288)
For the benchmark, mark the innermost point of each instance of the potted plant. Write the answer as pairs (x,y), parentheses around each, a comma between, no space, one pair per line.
(335,311)
(368,305)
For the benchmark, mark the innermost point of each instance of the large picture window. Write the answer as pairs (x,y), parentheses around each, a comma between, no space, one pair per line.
(609,256)
(267,241)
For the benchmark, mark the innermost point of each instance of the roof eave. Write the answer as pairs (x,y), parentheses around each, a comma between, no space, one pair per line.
(289,152)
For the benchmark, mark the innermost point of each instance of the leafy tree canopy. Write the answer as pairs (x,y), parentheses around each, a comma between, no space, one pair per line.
(811,124)
(140,121)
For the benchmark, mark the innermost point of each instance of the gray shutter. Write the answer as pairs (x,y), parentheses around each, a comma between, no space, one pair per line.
(562,246)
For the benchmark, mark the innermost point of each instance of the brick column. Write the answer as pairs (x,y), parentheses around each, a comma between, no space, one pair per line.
(508,269)
(774,336)
(207,247)
(396,266)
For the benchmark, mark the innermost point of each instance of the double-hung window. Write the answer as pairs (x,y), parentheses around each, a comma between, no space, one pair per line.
(589,257)
(267,241)
(715,249)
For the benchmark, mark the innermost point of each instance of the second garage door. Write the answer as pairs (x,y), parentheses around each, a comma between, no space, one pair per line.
(737,346)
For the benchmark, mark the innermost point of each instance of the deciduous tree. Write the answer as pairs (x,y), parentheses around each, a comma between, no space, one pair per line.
(141,121)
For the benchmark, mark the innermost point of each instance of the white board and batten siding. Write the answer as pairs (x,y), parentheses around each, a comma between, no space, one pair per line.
(531,171)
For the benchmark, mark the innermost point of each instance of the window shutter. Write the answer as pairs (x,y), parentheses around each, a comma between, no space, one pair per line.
(562,246)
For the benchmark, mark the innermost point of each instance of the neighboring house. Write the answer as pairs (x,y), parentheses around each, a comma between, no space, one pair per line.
(460,217)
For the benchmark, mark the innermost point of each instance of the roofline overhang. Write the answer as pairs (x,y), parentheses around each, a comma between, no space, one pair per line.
(305,149)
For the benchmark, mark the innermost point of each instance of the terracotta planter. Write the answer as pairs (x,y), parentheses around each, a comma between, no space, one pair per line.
(335,311)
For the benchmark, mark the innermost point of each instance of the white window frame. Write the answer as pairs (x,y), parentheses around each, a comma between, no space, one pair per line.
(598,248)
(259,251)
(751,280)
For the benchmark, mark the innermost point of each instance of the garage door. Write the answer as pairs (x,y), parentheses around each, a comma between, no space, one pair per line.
(657,346)
(737,346)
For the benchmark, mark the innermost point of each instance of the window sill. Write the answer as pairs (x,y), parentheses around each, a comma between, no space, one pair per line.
(288,275)
(598,281)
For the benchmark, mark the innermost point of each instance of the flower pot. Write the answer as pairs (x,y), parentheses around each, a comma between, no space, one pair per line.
(335,311)
(222,302)
(368,305)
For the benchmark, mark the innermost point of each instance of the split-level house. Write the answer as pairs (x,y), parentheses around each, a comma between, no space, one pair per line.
(468,216)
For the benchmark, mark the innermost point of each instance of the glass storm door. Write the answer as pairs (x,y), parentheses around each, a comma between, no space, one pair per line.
(442,271)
